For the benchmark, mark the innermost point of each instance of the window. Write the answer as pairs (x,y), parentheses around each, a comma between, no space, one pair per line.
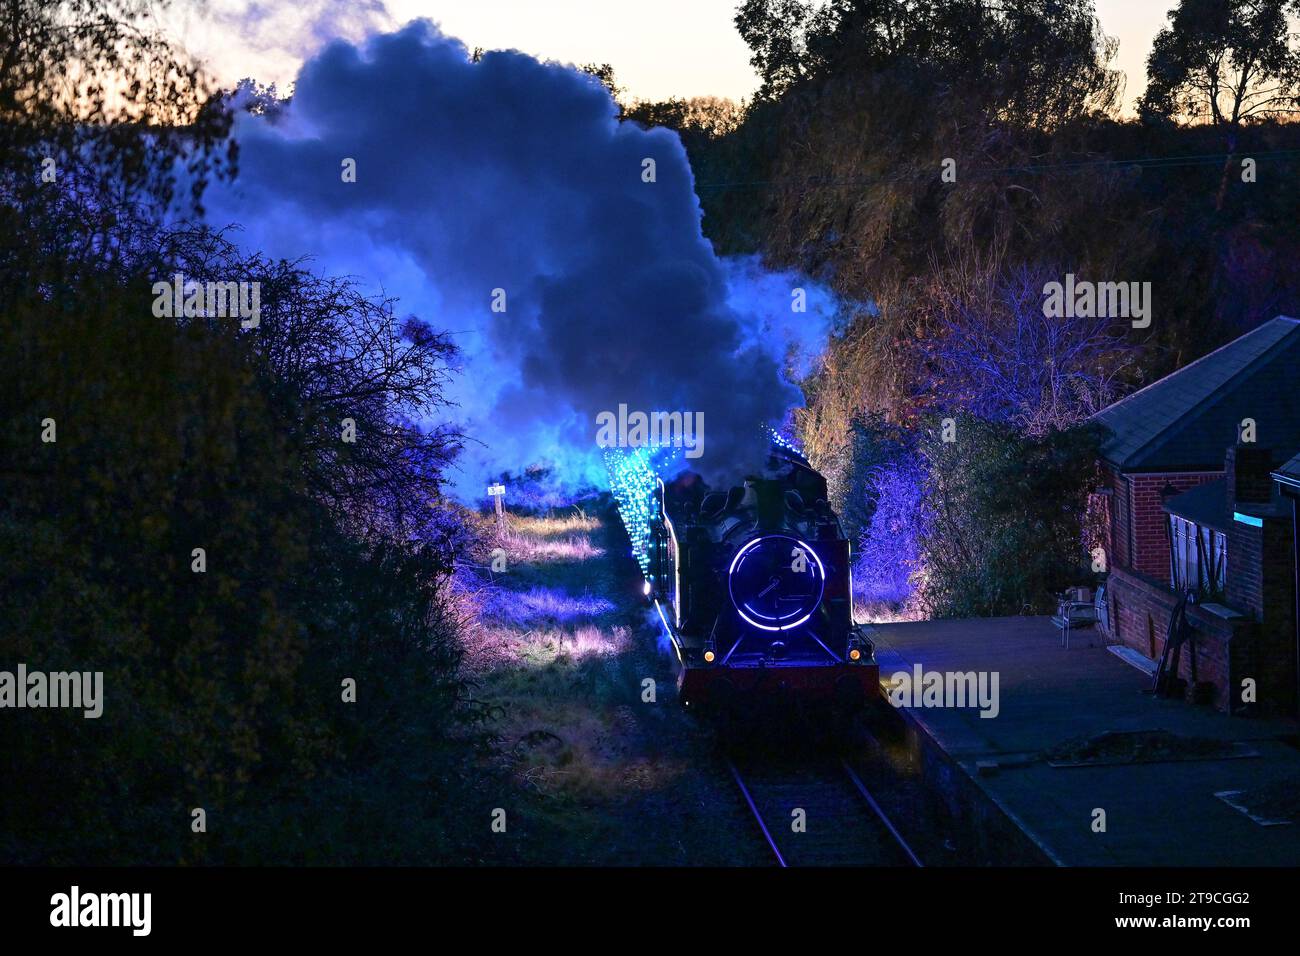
(1197,557)
(1214,560)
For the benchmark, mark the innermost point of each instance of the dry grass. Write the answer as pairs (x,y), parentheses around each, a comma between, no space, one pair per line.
(553,526)
(561,662)
(887,612)
(530,538)
(603,776)
(521,548)
(498,646)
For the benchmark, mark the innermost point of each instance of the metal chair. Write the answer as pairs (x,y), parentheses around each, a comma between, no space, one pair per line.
(1075,609)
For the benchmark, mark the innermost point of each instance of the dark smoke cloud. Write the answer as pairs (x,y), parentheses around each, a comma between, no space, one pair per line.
(515,174)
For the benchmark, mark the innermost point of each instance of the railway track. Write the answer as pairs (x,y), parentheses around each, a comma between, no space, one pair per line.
(841,824)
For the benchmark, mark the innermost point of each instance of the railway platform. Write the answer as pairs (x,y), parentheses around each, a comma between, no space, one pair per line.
(1213,798)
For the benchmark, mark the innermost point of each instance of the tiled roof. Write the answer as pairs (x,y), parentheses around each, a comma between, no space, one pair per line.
(1187,420)
(1289,474)
(1206,505)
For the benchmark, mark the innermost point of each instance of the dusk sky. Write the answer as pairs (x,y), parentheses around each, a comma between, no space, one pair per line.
(653,55)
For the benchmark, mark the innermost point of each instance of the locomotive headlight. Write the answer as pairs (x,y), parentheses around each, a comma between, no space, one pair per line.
(708,657)
(858,648)
(776,582)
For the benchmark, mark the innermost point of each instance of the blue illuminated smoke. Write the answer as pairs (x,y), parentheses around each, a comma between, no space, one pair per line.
(500,172)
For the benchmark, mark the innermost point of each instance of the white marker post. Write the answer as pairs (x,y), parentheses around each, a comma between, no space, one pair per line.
(498,492)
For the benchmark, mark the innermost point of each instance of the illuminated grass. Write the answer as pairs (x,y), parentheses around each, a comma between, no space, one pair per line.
(541,605)
(552,526)
(887,612)
(539,549)
(556,656)
(548,539)
(560,659)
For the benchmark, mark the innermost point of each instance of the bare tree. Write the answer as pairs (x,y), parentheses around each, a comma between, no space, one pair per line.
(93,81)
(1000,357)
(337,355)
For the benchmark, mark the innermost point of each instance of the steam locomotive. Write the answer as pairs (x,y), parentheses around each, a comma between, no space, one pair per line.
(754,588)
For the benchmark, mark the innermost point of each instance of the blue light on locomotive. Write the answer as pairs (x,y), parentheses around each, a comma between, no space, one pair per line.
(776,582)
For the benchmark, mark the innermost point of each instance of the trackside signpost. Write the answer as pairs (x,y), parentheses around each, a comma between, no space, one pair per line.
(498,491)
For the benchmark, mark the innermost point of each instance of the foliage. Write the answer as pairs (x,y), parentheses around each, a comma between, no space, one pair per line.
(322,559)
(1041,63)
(336,354)
(1005,523)
(837,170)
(605,73)
(1225,61)
(991,522)
(885,510)
(91,85)
(223,688)
(698,120)
(731,147)
(998,356)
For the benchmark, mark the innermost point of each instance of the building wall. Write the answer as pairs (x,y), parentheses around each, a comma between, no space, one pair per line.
(1117,550)
(1260,583)
(1260,645)
(1138,536)
(1150,525)
(1140,609)
(1244,576)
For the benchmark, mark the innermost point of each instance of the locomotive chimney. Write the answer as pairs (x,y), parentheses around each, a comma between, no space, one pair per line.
(769,504)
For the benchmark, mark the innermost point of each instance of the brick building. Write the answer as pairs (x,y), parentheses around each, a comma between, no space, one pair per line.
(1195,499)
(1288,482)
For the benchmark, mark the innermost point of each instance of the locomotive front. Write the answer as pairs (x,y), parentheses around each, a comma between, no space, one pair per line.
(754,588)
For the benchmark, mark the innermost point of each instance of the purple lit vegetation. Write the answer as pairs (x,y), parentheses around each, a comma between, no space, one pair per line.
(889,554)
(545,604)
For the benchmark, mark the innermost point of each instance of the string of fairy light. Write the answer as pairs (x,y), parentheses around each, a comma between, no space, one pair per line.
(781,441)
(633,478)
(633,475)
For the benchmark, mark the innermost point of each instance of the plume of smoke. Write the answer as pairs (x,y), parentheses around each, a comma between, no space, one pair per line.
(511,182)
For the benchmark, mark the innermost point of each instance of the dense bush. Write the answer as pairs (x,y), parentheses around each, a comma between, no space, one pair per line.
(223,688)
(1005,517)
(990,522)
(889,554)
